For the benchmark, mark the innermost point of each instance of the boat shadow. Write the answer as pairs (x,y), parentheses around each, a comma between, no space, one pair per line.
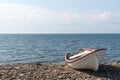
(105,71)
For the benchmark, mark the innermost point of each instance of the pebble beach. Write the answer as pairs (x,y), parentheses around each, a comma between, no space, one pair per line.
(37,71)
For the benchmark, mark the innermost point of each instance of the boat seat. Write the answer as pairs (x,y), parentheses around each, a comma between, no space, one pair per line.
(79,54)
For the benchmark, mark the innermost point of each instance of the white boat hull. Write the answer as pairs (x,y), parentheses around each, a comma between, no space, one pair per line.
(88,61)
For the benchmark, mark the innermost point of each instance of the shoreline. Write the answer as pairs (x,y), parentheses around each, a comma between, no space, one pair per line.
(37,71)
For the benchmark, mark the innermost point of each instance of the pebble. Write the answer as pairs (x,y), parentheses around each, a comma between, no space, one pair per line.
(68,79)
(60,77)
(17,67)
(65,72)
(57,72)
(21,74)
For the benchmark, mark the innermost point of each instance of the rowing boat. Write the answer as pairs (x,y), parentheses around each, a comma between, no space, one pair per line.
(85,58)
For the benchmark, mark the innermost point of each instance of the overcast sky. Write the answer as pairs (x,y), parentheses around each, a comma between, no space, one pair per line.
(59,16)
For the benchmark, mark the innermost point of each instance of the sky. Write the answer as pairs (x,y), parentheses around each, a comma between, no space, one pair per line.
(59,16)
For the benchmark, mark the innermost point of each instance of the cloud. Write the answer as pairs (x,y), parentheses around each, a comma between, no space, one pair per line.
(104,17)
(27,14)
(98,17)
(24,13)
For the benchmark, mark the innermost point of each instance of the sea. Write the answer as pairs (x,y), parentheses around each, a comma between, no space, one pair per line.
(51,48)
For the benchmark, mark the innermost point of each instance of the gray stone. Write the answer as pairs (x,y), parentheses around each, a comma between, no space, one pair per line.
(60,77)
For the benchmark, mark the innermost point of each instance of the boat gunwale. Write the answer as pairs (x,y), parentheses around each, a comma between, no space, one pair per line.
(79,57)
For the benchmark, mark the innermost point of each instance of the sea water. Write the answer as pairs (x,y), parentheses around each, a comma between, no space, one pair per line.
(51,48)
